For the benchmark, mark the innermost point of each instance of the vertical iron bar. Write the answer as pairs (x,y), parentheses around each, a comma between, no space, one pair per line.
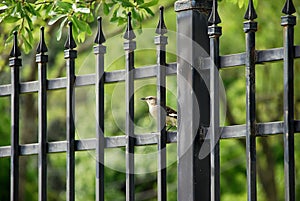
(193,100)
(70,56)
(288,22)
(42,60)
(161,42)
(214,31)
(99,51)
(250,27)
(15,63)
(129,47)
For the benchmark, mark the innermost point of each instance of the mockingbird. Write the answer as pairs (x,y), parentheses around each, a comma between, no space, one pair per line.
(171,115)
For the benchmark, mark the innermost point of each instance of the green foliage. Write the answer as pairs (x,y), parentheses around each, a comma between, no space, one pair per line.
(26,16)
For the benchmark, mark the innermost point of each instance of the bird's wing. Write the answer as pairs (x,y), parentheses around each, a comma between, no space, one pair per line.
(171,112)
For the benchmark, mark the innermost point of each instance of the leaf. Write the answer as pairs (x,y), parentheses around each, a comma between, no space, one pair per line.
(3,7)
(49,9)
(11,19)
(139,2)
(241,4)
(19,10)
(81,25)
(27,44)
(29,22)
(121,20)
(81,37)
(113,19)
(126,3)
(9,39)
(90,18)
(68,1)
(59,31)
(136,15)
(30,35)
(149,4)
(105,9)
(32,10)
(63,5)
(88,29)
(149,11)
(83,10)
(55,19)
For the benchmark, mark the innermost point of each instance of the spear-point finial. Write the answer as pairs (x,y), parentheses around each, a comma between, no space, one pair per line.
(15,51)
(250,13)
(129,34)
(161,27)
(214,17)
(289,7)
(42,47)
(70,43)
(100,36)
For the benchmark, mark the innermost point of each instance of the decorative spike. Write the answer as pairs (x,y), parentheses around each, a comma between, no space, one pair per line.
(214,17)
(15,51)
(289,7)
(161,27)
(70,43)
(100,36)
(250,13)
(129,34)
(42,47)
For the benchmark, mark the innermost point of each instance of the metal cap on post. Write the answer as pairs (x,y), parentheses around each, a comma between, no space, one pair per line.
(193,99)
(14,60)
(41,49)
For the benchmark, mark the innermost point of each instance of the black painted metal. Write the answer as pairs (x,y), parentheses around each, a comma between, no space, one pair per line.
(129,47)
(250,27)
(288,22)
(15,62)
(197,179)
(99,51)
(42,59)
(70,56)
(214,32)
(161,42)
(193,100)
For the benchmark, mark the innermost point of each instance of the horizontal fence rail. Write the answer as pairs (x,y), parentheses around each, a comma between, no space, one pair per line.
(227,132)
(233,60)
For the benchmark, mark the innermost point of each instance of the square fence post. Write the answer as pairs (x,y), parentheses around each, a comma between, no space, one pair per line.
(193,100)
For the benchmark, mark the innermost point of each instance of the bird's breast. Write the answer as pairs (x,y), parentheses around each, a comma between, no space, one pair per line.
(153,111)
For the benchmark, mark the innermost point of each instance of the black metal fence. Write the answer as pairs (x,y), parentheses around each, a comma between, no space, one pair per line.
(198,105)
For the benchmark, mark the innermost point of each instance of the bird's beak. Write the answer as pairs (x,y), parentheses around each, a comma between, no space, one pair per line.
(143,98)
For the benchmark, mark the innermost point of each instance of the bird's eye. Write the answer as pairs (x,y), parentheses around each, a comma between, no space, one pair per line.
(150,98)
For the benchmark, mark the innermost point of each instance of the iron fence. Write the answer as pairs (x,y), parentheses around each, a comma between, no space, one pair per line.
(198,179)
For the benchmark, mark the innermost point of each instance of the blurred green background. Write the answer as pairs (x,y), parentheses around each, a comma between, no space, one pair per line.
(269,93)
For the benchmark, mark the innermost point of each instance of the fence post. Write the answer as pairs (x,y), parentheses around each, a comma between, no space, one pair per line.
(15,62)
(161,41)
(41,60)
(129,47)
(99,51)
(193,99)
(70,55)
(288,22)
